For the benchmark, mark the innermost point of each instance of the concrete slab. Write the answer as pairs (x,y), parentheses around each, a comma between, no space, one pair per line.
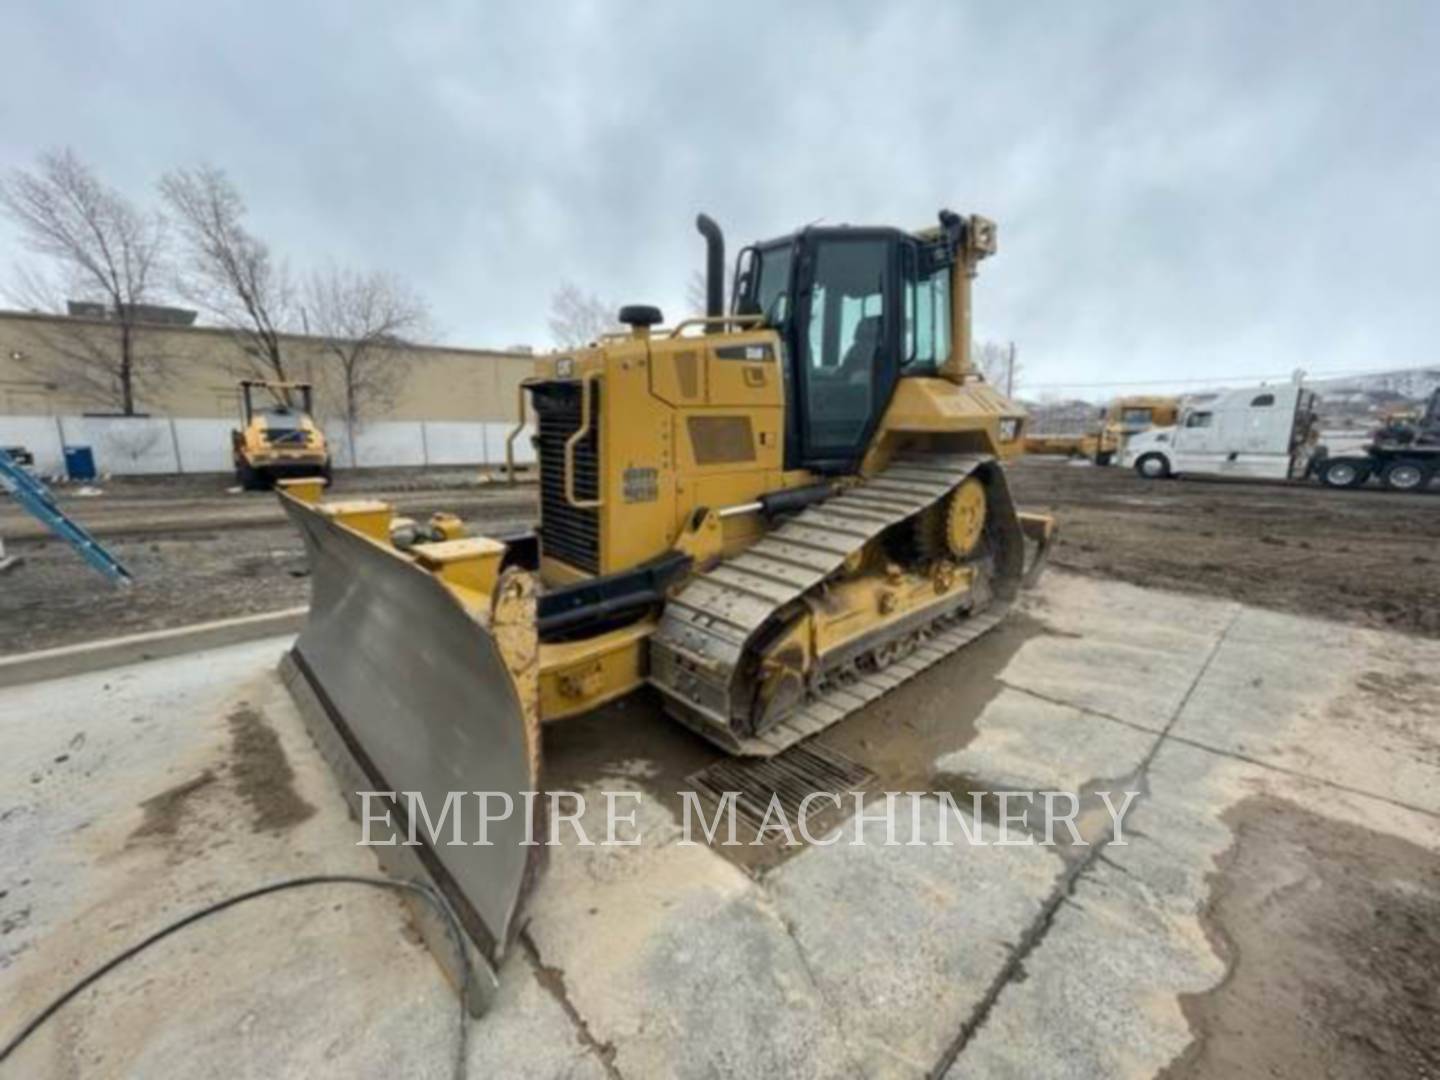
(904,940)
(1025,743)
(1353,706)
(677,959)
(1118,650)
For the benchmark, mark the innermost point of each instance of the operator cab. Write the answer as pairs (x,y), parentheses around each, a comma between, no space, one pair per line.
(857,309)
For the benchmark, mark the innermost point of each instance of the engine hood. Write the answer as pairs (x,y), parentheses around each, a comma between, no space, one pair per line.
(1150,437)
(1145,441)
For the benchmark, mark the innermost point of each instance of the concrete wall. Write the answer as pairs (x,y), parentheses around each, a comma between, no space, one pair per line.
(128,446)
(191,372)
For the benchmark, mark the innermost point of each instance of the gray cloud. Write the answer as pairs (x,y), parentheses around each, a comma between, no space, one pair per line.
(1183,189)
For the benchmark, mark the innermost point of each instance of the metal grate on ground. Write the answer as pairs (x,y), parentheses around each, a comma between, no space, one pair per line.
(804,769)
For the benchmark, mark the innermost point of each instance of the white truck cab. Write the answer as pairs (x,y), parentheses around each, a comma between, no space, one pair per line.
(1262,432)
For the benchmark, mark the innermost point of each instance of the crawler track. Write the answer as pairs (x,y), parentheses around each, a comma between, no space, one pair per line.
(697,654)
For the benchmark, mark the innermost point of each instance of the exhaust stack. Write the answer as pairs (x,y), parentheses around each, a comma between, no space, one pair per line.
(714,268)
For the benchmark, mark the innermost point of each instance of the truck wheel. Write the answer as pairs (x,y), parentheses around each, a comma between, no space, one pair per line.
(245,477)
(1344,473)
(1405,475)
(1103,457)
(1153,466)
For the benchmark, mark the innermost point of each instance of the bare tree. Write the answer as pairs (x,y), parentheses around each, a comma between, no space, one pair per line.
(577,318)
(998,363)
(106,250)
(366,322)
(227,271)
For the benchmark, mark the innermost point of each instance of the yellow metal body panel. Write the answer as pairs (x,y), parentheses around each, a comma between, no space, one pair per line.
(937,413)
(471,563)
(577,676)
(850,610)
(369,517)
(699,416)
(935,405)
(307,489)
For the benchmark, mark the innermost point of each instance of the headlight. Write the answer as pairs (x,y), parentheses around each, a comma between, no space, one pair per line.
(1009,428)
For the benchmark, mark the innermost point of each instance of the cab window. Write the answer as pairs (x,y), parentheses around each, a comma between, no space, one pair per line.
(927,315)
(1199,419)
(772,292)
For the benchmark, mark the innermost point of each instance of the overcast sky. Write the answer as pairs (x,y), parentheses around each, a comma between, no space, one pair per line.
(1184,190)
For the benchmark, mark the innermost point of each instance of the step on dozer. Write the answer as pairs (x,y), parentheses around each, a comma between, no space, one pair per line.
(772,515)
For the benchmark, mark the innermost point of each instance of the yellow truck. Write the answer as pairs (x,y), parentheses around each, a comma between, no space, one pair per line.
(1118,421)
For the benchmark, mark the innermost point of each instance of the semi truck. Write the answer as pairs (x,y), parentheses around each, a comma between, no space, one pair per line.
(1270,432)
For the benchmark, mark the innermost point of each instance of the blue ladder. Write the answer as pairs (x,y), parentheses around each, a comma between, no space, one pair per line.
(35,497)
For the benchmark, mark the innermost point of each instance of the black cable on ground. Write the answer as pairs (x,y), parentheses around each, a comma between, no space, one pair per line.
(431,896)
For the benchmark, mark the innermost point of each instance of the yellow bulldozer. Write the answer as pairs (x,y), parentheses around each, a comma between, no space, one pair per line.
(772,515)
(277,436)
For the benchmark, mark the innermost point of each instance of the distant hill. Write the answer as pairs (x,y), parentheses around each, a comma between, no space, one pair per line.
(1415,384)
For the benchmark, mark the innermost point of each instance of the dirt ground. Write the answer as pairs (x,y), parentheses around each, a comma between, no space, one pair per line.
(1332,937)
(1366,557)
(198,552)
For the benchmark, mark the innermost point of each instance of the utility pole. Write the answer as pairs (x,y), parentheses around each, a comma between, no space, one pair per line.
(1010,373)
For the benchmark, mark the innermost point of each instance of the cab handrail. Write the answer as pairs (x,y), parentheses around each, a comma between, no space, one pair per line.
(710,320)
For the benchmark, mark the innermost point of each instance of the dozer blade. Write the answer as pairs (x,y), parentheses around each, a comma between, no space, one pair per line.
(1040,530)
(430,697)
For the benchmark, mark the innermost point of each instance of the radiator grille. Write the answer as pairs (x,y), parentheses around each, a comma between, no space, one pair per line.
(567,534)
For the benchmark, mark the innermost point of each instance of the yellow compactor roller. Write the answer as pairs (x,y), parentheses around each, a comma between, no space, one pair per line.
(277,436)
(771,516)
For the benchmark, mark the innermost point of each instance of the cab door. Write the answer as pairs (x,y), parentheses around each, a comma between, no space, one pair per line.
(846,341)
(1195,440)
